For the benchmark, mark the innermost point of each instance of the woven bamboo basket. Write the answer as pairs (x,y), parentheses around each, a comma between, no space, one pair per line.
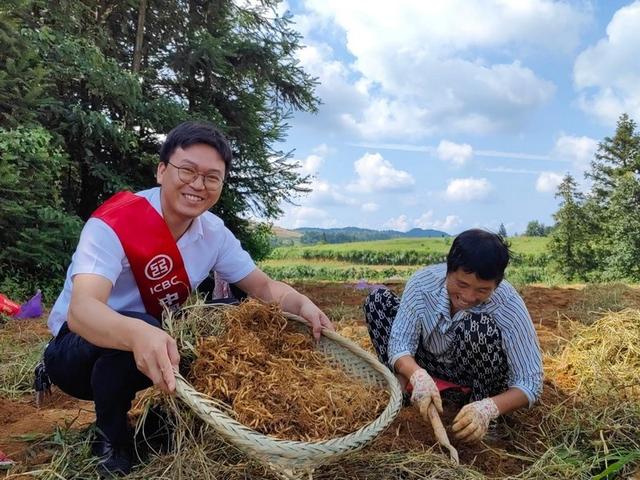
(293,459)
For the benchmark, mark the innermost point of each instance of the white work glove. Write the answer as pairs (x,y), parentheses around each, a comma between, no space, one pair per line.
(472,421)
(424,391)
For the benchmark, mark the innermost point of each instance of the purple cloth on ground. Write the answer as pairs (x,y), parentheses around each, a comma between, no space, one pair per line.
(361,285)
(364,285)
(32,308)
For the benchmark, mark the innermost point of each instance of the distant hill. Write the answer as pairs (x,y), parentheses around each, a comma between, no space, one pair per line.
(284,233)
(310,235)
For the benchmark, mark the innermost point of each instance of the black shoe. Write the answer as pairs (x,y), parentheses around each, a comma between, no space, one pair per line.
(155,436)
(114,460)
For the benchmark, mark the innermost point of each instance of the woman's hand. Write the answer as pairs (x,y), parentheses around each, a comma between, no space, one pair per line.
(472,422)
(424,391)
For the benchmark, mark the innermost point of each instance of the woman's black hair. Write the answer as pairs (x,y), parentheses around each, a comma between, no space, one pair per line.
(477,251)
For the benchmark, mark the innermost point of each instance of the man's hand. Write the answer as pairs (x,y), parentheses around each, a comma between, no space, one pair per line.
(425,390)
(156,355)
(258,284)
(316,317)
(472,422)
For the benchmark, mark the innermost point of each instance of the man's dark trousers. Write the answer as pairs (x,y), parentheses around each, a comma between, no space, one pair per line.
(108,377)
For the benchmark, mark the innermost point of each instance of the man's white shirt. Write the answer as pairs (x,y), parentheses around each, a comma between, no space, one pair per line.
(206,245)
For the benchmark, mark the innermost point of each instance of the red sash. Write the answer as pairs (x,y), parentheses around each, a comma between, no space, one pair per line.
(152,252)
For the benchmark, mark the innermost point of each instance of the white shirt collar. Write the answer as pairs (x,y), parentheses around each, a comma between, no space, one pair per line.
(195,230)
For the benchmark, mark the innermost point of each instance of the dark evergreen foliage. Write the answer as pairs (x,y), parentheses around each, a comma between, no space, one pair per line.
(97,94)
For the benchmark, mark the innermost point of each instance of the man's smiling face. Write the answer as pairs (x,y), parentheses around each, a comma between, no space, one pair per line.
(185,201)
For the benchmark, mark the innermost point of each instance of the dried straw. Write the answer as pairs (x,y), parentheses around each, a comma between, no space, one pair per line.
(602,358)
(276,383)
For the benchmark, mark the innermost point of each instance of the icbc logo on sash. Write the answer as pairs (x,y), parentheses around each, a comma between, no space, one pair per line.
(158,267)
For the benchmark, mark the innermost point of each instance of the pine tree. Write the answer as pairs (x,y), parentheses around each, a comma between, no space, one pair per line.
(535,229)
(615,157)
(36,233)
(622,230)
(570,241)
(107,79)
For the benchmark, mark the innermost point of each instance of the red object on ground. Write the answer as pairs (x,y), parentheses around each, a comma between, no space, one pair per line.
(5,462)
(442,385)
(7,306)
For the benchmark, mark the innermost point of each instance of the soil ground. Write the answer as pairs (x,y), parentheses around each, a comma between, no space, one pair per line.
(551,310)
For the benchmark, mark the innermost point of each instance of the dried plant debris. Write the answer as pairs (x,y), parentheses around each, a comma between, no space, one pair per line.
(602,358)
(276,382)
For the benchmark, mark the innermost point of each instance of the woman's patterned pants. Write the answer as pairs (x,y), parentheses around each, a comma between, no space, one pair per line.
(475,358)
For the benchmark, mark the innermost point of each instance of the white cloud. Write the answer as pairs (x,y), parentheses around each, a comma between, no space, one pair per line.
(484,23)
(468,189)
(478,99)
(419,81)
(311,164)
(335,86)
(375,174)
(323,150)
(388,118)
(324,194)
(578,150)
(400,223)
(456,153)
(427,221)
(607,74)
(403,147)
(548,182)
(298,217)
(518,171)
(370,207)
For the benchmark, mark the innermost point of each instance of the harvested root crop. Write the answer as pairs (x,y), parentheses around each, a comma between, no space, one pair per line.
(270,374)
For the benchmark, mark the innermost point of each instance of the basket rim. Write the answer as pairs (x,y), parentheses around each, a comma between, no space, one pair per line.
(295,451)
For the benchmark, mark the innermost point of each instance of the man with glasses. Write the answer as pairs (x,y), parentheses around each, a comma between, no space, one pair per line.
(138,254)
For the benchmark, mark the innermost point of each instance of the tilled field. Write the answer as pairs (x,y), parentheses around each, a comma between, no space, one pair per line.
(502,455)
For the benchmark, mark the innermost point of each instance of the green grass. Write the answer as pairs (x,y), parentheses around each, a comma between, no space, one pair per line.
(19,354)
(301,270)
(298,270)
(529,245)
(421,245)
(396,259)
(404,251)
(519,245)
(599,298)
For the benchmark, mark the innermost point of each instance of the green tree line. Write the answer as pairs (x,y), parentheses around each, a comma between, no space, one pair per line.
(597,231)
(88,89)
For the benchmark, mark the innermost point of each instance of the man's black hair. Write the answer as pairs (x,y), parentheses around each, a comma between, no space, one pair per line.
(477,251)
(192,133)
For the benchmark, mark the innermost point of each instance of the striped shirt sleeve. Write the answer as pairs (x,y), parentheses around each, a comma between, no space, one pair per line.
(406,328)
(521,347)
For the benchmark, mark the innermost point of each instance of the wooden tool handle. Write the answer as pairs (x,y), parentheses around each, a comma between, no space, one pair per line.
(432,416)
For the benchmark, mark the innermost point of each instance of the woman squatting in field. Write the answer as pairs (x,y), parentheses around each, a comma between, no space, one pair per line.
(460,324)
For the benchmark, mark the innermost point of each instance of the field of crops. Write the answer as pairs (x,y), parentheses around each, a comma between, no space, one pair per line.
(396,259)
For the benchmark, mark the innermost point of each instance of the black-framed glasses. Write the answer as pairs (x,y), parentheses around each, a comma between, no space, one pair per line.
(188,175)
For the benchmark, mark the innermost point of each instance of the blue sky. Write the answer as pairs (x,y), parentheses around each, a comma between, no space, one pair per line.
(456,114)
